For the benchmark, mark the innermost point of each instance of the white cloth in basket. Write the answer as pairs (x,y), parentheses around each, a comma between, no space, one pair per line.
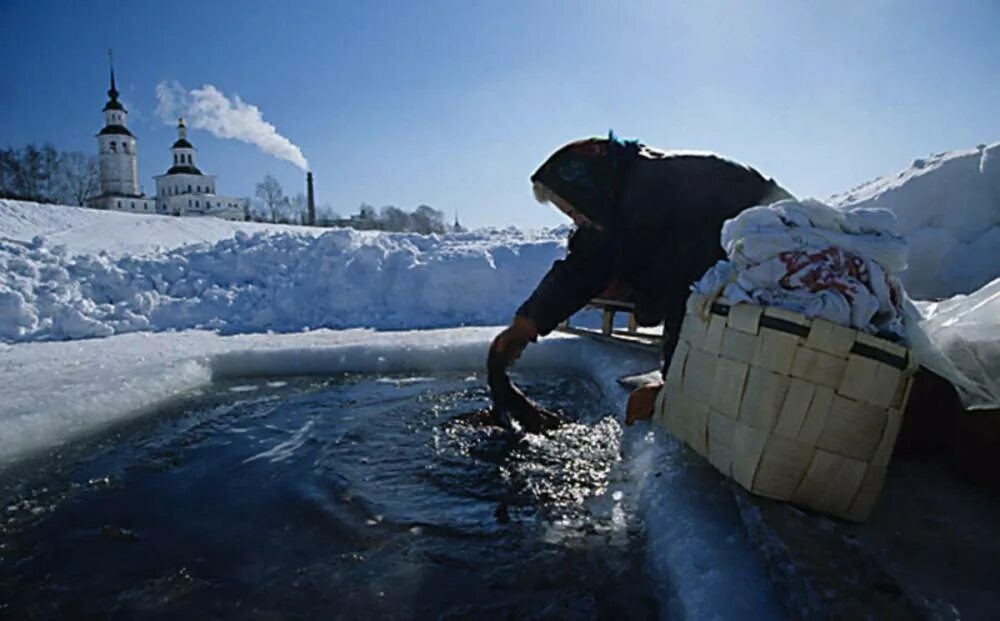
(816,260)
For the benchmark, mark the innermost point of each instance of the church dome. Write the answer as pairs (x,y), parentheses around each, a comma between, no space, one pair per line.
(114,104)
(184,169)
(119,130)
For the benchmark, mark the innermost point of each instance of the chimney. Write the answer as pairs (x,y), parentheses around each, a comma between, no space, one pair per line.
(310,201)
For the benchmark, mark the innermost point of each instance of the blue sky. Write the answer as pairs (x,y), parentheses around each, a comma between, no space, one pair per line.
(454,104)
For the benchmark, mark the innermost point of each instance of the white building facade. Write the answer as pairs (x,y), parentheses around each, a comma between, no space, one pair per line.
(118,164)
(186,191)
(182,191)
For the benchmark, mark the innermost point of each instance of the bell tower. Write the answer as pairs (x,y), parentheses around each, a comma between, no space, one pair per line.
(117,157)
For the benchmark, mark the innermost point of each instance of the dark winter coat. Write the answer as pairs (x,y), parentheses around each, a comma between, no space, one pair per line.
(662,214)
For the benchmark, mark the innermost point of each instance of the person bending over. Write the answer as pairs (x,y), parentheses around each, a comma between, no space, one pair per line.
(646,219)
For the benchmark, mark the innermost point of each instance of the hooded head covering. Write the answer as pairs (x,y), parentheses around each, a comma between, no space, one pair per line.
(589,174)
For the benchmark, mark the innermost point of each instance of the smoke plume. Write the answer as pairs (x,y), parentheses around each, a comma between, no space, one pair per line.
(208,108)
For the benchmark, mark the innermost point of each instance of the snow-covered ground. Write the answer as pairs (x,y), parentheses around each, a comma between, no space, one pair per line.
(250,278)
(119,234)
(948,207)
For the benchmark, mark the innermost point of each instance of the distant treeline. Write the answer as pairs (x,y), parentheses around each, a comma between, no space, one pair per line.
(46,175)
(272,205)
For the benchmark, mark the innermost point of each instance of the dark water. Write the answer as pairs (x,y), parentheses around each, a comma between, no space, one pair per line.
(353,497)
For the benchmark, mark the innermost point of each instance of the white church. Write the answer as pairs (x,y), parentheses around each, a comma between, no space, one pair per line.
(181,191)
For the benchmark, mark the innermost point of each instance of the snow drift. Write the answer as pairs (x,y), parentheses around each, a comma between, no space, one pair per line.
(270,281)
(948,207)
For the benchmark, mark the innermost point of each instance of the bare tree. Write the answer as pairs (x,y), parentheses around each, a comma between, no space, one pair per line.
(300,208)
(271,195)
(326,216)
(41,172)
(367,218)
(77,178)
(8,173)
(428,220)
(30,173)
(395,219)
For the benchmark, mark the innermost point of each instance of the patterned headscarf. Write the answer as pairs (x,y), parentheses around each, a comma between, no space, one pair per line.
(589,174)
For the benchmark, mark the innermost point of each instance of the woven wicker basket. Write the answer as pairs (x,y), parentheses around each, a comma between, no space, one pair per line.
(792,408)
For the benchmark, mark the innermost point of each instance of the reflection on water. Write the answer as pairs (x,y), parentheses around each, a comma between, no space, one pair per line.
(348,497)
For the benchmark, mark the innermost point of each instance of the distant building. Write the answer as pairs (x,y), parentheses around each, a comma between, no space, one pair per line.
(182,191)
(186,191)
(118,172)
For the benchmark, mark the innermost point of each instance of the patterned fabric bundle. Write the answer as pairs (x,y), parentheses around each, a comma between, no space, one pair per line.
(810,258)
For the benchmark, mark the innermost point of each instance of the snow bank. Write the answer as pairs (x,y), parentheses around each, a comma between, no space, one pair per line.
(271,280)
(948,207)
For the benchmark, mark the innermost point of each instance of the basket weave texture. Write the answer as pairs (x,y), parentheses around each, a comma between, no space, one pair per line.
(792,408)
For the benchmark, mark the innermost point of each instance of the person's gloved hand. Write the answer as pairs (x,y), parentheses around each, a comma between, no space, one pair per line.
(642,403)
(505,349)
(509,344)
(530,415)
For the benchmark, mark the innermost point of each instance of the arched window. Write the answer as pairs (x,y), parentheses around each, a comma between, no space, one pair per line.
(175,158)
(189,188)
(124,147)
(114,147)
